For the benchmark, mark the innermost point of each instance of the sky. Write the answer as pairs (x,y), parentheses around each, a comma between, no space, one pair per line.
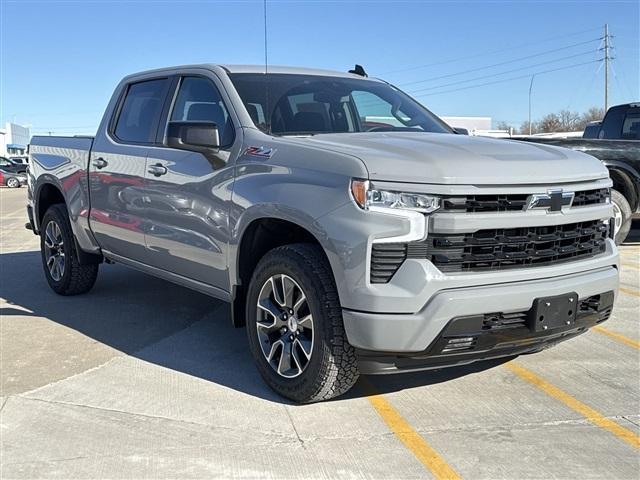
(61,60)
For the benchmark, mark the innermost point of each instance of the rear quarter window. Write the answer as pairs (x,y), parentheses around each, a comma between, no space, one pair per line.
(612,124)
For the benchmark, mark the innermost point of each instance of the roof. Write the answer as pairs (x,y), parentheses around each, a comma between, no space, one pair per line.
(286,70)
(255,69)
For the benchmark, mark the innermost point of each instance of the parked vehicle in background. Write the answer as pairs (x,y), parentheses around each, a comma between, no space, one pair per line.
(20,160)
(615,141)
(592,130)
(12,179)
(351,229)
(11,167)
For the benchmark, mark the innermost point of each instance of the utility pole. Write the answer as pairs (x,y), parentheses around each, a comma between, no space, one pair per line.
(606,67)
(530,88)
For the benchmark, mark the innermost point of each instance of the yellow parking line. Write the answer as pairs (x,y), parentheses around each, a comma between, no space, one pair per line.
(628,291)
(589,413)
(408,436)
(617,336)
(630,265)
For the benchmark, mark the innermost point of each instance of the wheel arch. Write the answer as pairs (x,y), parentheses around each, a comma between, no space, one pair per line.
(626,183)
(258,236)
(47,194)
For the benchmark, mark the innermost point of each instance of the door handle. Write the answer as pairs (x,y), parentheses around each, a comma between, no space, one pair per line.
(157,170)
(100,163)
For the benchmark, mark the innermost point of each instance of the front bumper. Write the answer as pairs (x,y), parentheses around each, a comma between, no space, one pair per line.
(416,333)
(454,347)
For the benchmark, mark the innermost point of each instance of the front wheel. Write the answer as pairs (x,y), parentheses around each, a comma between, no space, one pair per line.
(63,271)
(294,324)
(621,216)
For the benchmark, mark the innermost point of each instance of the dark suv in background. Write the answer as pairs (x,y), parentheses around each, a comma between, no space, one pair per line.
(616,141)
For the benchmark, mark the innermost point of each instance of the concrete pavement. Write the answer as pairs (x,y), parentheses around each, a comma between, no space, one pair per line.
(144,379)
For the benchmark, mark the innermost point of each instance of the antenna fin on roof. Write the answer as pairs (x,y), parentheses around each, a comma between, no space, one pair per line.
(358,70)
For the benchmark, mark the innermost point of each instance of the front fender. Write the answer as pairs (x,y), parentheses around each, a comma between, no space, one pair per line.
(299,196)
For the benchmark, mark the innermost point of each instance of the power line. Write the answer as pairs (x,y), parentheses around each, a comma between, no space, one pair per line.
(467,57)
(503,72)
(624,81)
(619,82)
(540,54)
(580,96)
(509,79)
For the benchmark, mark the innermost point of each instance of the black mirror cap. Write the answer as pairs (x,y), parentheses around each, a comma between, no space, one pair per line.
(461,131)
(195,136)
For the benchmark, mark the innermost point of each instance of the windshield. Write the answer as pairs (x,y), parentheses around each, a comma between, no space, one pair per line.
(291,104)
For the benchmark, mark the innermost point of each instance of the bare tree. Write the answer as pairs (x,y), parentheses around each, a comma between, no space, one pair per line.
(594,114)
(569,121)
(524,128)
(550,123)
(504,126)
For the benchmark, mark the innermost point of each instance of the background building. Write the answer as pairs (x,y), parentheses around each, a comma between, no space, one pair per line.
(14,139)
(472,124)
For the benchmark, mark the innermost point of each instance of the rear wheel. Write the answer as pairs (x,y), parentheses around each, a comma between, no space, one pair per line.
(13,182)
(621,216)
(62,269)
(295,328)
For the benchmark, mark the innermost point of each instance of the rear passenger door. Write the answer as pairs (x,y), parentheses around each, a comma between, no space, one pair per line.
(118,164)
(188,194)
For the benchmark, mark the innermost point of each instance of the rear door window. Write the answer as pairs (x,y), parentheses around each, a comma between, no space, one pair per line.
(631,127)
(140,111)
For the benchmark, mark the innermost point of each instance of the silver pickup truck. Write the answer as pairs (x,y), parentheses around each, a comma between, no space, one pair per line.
(351,230)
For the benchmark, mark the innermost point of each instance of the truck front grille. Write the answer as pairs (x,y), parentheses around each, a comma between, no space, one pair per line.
(497,249)
(494,249)
(513,202)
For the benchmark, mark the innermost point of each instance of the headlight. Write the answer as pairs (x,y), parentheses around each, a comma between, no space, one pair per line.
(367,198)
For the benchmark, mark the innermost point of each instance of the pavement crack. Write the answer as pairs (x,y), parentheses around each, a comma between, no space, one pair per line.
(150,417)
(293,425)
(55,382)
(152,452)
(635,422)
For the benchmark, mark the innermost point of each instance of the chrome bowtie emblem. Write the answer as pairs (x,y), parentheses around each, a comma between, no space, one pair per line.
(553,200)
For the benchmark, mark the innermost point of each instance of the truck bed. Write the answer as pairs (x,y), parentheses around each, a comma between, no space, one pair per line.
(605,150)
(63,162)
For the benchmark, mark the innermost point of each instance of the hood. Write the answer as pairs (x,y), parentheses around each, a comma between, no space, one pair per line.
(460,159)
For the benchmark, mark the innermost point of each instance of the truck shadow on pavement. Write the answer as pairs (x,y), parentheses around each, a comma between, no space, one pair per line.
(165,324)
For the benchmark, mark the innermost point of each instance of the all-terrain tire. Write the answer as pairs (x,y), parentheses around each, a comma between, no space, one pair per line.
(622,205)
(332,369)
(75,278)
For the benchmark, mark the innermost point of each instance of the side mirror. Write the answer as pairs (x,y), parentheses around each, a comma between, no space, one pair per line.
(200,137)
(461,131)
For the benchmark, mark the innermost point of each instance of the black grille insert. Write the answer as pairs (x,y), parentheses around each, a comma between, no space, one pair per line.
(513,202)
(494,249)
(515,247)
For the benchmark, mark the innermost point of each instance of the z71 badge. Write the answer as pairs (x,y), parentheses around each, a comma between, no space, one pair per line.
(263,152)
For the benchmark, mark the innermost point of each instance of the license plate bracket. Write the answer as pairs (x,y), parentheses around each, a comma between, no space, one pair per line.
(549,313)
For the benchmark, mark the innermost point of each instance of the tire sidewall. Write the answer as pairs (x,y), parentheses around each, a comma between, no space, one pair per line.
(13,182)
(273,264)
(55,214)
(622,203)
